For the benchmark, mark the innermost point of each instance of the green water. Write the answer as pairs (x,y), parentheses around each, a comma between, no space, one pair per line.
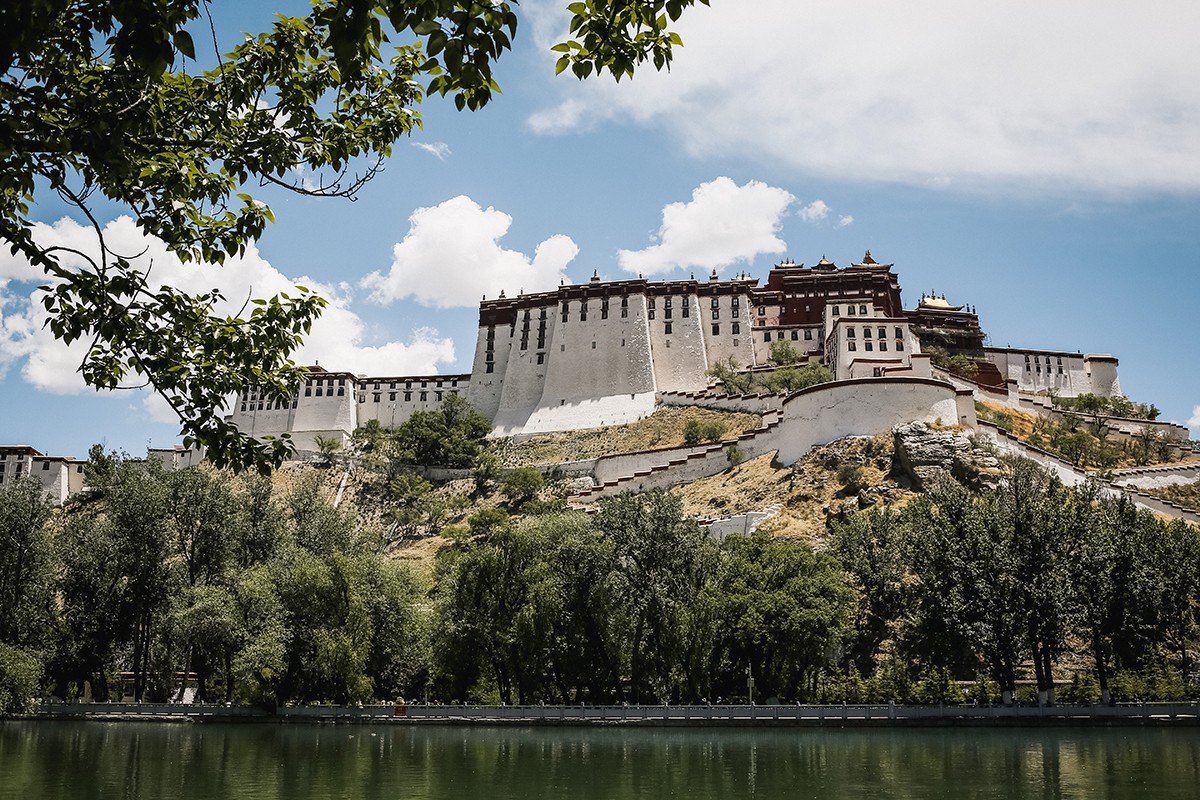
(126,760)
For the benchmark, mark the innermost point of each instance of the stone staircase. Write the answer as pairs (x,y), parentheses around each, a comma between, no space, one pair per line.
(663,468)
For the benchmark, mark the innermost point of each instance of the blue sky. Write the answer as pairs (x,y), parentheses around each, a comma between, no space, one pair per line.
(1038,160)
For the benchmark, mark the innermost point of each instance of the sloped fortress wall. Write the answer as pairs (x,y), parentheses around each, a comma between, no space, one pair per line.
(827,412)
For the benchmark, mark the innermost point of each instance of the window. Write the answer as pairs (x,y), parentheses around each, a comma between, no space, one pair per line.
(882,346)
(808,335)
(319,390)
(541,345)
(716,313)
(849,310)
(869,347)
(583,311)
(667,301)
(899,333)
(424,396)
(375,396)
(795,336)
(851,346)
(716,302)
(666,329)
(762,311)
(524,344)
(766,336)
(779,335)
(866,333)
(716,329)
(836,310)
(685,311)
(1026,358)
(882,334)
(308,391)
(439,396)
(489,367)
(541,358)
(604,309)
(341,391)
(850,333)
(45,465)
(391,395)
(736,328)
(900,344)
(862,311)
(667,312)
(594,344)
(649,313)
(408,397)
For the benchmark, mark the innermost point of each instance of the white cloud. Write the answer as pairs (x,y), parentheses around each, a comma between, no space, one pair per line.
(451,256)
(337,339)
(1024,94)
(1194,422)
(814,211)
(845,220)
(440,150)
(723,224)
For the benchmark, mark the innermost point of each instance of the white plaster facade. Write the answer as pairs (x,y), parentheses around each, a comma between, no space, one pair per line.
(603,352)
(60,476)
(1068,374)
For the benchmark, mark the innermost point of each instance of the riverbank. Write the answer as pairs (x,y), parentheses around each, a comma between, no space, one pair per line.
(871,715)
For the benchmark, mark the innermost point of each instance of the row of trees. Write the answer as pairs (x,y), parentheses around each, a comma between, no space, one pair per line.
(982,584)
(273,597)
(264,597)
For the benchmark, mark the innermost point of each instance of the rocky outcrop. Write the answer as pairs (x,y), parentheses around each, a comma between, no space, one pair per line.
(926,454)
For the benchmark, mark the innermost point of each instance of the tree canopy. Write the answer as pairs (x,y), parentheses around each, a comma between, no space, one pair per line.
(96,100)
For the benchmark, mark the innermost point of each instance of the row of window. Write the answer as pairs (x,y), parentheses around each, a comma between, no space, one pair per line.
(377,397)
(1049,369)
(869,346)
(267,405)
(882,331)
(1037,360)
(862,310)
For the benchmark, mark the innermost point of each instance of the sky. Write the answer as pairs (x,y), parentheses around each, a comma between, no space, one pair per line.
(1040,161)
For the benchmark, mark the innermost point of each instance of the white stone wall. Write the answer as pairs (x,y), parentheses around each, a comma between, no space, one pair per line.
(831,411)
(726,344)
(1068,374)
(593,372)
(393,400)
(485,387)
(681,356)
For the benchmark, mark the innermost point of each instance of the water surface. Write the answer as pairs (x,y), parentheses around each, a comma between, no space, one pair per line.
(75,760)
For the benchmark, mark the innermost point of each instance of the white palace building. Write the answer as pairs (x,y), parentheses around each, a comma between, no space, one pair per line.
(606,352)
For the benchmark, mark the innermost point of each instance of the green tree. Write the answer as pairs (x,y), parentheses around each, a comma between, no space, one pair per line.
(782,611)
(661,557)
(97,101)
(449,436)
(871,546)
(783,353)
(521,484)
(25,564)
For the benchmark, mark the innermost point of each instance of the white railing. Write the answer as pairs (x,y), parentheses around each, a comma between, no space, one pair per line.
(741,714)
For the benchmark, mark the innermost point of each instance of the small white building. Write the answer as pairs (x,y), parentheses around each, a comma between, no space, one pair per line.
(862,341)
(60,476)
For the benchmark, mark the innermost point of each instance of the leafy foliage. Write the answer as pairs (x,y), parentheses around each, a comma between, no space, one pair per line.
(96,99)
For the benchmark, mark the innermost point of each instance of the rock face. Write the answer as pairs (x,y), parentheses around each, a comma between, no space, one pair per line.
(928,455)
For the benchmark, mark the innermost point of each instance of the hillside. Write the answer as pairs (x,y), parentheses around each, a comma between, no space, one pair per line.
(663,428)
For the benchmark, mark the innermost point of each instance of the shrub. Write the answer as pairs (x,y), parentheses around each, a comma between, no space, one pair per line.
(522,484)
(696,431)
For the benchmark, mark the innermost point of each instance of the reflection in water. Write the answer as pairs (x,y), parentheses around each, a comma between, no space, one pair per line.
(74,760)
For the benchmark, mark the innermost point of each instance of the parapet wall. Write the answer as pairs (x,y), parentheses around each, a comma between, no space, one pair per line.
(827,412)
